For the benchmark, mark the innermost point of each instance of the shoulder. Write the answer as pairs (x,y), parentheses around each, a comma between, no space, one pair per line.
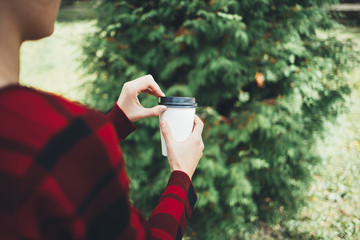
(33,117)
(43,108)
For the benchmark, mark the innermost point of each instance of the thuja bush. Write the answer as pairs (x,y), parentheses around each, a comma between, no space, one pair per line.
(266,75)
(67,2)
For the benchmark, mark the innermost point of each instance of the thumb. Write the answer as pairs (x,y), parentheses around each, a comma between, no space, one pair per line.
(166,132)
(154,111)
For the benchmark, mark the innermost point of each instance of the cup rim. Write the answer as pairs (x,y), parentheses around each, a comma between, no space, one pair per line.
(184,102)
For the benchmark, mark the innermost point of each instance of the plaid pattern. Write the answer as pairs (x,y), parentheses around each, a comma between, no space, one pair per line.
(63,176)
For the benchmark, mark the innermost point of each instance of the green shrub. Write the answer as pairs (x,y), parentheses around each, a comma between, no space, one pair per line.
(266,75)
(68,2)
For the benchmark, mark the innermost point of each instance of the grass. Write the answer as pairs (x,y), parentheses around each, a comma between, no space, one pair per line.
(80,11)
(53,64)
(333,212)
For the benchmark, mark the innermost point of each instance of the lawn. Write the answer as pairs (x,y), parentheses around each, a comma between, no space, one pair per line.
(53,64)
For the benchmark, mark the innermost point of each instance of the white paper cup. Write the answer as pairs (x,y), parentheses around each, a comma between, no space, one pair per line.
(179,116)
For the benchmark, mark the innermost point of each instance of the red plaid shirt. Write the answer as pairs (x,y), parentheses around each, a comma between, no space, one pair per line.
(63,176)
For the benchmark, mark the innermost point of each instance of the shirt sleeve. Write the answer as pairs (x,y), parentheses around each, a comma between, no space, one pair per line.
(170,217)
(123,126)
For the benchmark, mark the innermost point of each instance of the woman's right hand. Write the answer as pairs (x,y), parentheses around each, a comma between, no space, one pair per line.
(184,156)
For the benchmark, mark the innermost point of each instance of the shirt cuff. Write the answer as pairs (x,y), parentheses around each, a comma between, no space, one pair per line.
(182,180)
(121,122)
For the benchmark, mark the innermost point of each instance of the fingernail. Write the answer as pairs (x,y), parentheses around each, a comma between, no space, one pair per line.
(163,108)
(162,124)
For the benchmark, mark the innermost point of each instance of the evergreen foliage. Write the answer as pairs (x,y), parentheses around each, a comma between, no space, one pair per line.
(67,2)
(267,74)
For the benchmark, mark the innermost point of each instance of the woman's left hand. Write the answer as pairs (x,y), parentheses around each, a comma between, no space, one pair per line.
(130,104)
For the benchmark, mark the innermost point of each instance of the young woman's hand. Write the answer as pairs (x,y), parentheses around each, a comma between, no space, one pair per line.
(129,102)
(184,156)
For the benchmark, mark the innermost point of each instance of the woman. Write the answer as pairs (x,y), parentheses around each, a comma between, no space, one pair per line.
(62,173)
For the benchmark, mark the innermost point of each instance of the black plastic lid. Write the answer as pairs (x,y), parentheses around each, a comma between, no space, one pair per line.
(187,102)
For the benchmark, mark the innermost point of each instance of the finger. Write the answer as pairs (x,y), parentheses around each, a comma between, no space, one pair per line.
(154,111)
(147,82)
(198,125)
(148,91)
(166,132)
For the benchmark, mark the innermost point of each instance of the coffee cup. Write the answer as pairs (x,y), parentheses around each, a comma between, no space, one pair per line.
(179,116)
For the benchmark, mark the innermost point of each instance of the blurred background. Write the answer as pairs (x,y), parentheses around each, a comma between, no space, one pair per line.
(278,84)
